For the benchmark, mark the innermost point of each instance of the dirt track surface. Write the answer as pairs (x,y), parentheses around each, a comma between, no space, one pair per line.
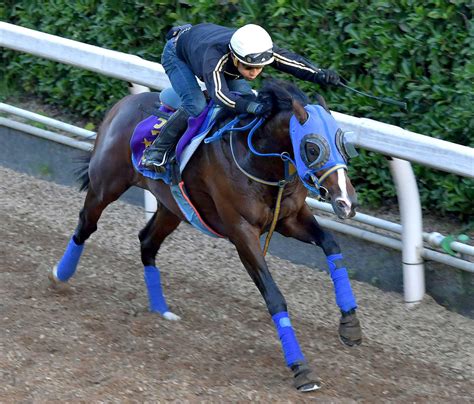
(96,341)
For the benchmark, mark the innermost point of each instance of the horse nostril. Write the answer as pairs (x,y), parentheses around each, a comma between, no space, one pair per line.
(341,204)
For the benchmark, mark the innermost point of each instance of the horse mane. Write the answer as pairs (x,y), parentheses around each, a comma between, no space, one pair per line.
(281,95)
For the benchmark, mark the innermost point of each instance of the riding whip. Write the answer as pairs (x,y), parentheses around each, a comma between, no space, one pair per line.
(381,99)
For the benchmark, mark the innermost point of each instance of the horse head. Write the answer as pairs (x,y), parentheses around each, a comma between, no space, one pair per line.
(320,152)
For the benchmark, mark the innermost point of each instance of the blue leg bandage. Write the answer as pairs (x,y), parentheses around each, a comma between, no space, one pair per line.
(342,287)
(155,293)
(289,343)
(68,264)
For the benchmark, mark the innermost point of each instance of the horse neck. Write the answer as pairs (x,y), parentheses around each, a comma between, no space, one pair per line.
(273,137)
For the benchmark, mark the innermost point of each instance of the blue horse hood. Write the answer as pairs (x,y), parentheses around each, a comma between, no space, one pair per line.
(314,143)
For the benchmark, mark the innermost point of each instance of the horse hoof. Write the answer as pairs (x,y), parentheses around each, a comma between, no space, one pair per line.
(350,333)
(348,342)
(303,380)
(55,283)
(168,315)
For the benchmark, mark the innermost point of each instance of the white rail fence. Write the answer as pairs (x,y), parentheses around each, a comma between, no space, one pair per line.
(402,145)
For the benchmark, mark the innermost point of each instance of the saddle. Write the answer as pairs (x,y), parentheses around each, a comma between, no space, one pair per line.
(146,131)
(198,128)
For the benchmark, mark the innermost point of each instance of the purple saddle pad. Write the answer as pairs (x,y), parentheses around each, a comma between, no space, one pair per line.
(144,135)
(147,130)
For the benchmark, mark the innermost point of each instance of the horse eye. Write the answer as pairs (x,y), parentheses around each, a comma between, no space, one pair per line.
(312,151)
(323,192)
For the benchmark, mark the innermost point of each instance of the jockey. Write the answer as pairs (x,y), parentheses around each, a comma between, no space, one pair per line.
(224,59)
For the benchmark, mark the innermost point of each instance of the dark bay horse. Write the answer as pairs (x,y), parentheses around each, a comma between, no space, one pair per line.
(229,186)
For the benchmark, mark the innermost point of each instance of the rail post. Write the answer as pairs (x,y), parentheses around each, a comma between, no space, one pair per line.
(412,230)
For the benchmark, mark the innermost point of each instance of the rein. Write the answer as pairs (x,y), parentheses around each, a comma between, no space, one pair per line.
(280,184)
(253,126)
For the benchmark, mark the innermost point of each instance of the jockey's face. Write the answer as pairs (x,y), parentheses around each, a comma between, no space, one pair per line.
(249,72)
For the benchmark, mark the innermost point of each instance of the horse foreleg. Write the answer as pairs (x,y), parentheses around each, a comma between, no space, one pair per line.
(303,226)
(162,224)
(88,218)
(248,246)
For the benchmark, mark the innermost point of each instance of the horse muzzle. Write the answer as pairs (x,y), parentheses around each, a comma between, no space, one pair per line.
(344,208)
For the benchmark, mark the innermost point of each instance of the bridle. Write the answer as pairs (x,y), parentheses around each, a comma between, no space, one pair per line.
(284,156)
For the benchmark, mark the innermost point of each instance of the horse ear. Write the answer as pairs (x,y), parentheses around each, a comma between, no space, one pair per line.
(322,102)
(300,113)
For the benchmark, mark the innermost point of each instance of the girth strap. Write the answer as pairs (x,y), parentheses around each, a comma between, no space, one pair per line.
(280,184)
(275,218)
(253,126)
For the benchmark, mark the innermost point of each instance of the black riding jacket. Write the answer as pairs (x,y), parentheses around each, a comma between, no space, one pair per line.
(205,49)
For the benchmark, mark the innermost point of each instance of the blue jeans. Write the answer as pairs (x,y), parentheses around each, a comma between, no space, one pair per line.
(185,83)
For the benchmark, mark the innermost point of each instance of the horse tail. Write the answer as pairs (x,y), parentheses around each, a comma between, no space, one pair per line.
(82,171)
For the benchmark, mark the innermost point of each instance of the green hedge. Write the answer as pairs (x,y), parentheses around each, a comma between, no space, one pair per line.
(422,52)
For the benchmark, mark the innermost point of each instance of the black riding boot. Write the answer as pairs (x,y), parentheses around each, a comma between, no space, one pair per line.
(156,155)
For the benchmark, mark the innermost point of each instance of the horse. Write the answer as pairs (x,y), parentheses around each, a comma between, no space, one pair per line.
(239,194)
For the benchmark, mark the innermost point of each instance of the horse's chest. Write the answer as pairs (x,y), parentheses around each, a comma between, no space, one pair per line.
(287,207)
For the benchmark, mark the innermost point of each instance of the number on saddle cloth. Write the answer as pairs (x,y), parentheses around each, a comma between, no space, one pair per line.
(143,136)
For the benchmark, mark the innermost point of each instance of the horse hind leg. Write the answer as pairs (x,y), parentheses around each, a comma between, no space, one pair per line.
(88,218)
(161,225)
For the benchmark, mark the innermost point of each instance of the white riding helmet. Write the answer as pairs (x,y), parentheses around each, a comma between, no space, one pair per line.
(252,45)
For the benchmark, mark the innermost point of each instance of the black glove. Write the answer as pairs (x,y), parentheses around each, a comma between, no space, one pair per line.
(252,107)
(328,77)
(259,109)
